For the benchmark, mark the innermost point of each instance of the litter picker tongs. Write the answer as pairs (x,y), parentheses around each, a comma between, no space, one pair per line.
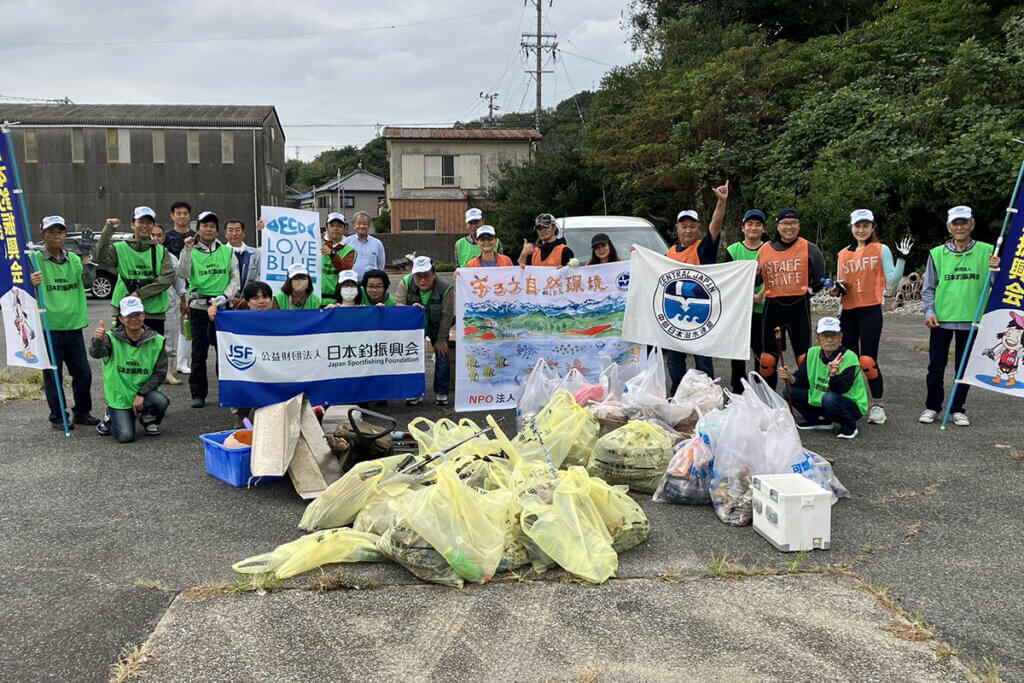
(437,455)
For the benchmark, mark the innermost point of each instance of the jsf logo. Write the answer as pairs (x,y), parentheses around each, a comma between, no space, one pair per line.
(241,357)
(288,226)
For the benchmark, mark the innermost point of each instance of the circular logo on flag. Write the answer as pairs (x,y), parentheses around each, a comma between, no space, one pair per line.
(687,304)
(623,281)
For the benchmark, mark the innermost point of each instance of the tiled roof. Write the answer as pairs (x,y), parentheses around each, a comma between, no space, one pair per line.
(462,133)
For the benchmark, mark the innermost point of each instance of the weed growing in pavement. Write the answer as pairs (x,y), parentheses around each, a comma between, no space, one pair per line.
(794,564)
(718,563)
(255,582)
(870,549)
(944,651)
(987,671)
(208,590)
(1017,456)
(129,663)
(913,529)
(150,584)
(930,490)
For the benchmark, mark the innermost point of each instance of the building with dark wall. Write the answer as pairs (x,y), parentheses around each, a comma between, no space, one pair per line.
(88,162)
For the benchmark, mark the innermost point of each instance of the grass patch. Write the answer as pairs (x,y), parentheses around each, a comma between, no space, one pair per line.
(150,585)
(1017,456)
(945,651)
(794,564)
(987,671)
(870,549)
(129,663)
(912,529)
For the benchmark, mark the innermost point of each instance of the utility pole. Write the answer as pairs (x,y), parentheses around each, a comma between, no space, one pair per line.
(539,42)
(491,106)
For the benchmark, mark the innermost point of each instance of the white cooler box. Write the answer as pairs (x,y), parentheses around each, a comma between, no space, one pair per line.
(792,512)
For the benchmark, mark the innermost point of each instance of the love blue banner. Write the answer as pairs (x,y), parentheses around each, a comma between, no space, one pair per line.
(334,356)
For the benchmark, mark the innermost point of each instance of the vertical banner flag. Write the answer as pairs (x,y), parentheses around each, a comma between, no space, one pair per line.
(507,318)
(289,236)
(996,355)
(694,309)
(23,331)
(340,355)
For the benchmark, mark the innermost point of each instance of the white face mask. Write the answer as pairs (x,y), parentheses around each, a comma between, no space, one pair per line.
(349,293)
(299,285)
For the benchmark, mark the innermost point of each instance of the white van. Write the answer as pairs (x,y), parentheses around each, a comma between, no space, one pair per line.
(623,231)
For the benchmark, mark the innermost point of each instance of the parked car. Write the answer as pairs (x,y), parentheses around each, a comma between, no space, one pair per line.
(623,231)
(98,278)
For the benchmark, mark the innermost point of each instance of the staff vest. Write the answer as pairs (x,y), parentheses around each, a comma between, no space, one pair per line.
(785,273)
(864,276)
(139,267)
(961,278)
(553,259)
(284,302)
(329,274)
(127,368)
(740,252)
(432,303)
(818,377)
(365,300)
(685,255)
(211,271)
(503,261)
(64,293)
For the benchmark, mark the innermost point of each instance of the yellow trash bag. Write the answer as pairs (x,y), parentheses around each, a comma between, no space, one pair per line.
(380,514)
(312,551)
(636,454)
(625,520)
(464,525)
(570,530)
(562,412)
(340,502)
(409,549)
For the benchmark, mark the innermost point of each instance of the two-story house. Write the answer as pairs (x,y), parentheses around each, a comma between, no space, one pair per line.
(358,191)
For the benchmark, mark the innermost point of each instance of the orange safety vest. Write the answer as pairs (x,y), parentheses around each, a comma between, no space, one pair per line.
(553,259)
(864,276)
(687,255)
(503,261)
(785,273)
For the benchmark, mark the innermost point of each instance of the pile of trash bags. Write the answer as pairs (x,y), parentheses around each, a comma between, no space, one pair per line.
(470,505)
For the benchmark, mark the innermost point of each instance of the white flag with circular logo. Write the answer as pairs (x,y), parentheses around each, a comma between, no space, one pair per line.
(703,310)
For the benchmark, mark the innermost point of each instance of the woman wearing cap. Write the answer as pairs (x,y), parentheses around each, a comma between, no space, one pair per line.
(375,289)
(296,293)
(486,240)
(602,250)
(550,250)
(953,283)
(347,292)
(865,268)
(747,250)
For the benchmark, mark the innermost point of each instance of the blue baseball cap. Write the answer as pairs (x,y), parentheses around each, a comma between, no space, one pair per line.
(755,213)
(788,212)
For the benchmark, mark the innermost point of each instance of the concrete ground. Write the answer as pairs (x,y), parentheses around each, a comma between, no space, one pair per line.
(103,542)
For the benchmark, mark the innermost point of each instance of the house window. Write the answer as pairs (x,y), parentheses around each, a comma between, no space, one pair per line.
(77,146)
(192,138)
(124,146)
(159,153)
(31,147)
(112,155)
(350,202)
(227,147)
(439,171)
(323,201)
(418,225)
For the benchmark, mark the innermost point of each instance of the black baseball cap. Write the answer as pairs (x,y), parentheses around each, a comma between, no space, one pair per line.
(757,214)
(599,238)
(788,212)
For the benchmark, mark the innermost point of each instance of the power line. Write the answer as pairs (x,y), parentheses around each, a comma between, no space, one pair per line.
(574,92)
(595,61)
(538,43)
(574,54)
(62,100)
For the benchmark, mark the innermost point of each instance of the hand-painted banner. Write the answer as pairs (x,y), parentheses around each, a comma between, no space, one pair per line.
(289,236)
(507,318)
(23,332)
(997,353)
(340,355)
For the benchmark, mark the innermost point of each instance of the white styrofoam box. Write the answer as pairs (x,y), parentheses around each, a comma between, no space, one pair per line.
(792,512)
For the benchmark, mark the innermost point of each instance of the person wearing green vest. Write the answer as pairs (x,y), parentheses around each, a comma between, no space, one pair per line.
(144,268)
(296,294)
(466,249)
(60,278)
(336,256)
(423,289)
(828,385)
(211,269)
(747,250)
(375,287)
(953,282)
(134,365)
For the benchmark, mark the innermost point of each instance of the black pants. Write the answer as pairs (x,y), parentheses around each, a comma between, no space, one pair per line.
(862,331)
(794,318)
(204,335)
(69,350)
(155,324)
(938,357)
(739,367)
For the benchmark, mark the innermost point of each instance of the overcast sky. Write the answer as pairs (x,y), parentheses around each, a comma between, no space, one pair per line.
(318,62)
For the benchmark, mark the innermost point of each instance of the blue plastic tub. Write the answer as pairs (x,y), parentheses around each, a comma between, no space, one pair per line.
(230,465)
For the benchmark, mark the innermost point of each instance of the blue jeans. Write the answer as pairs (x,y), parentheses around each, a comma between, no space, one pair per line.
(834,407)
(442,373)
(122,421)
(676,362)
(69,350)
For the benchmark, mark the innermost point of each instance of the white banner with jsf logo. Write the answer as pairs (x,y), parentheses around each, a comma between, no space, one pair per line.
(289,236)
(703,310)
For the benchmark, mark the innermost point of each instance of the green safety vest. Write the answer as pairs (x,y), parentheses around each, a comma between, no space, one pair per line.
(284,302)
(365,300)
(329,275)
(211,271)
(961,277)
(431,301)
(818,377)
(740,252)
(64,293)
(127,368)
(466,251)
(139,265)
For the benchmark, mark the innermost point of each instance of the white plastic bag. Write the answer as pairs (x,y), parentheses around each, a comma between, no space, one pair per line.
(818,470)
(688,477)
(537,391)
(700,391)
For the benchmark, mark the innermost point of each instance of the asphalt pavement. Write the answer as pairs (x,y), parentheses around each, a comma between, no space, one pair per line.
(102,543)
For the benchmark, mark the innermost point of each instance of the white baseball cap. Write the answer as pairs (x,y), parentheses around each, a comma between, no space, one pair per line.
(142,212)
(336,217)
(689,213)
(207,217)
(829,324)
(51,221)
(959,213)
(486,230)
(346,275)
(131,305)
(422,264)
(861,215)
(474,215)
(297,269)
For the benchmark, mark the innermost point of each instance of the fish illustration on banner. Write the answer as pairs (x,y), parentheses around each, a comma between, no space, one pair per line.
(289,236)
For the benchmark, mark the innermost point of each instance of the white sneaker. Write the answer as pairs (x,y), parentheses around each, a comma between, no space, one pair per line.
(876,415)
(928,417)
(960,420)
